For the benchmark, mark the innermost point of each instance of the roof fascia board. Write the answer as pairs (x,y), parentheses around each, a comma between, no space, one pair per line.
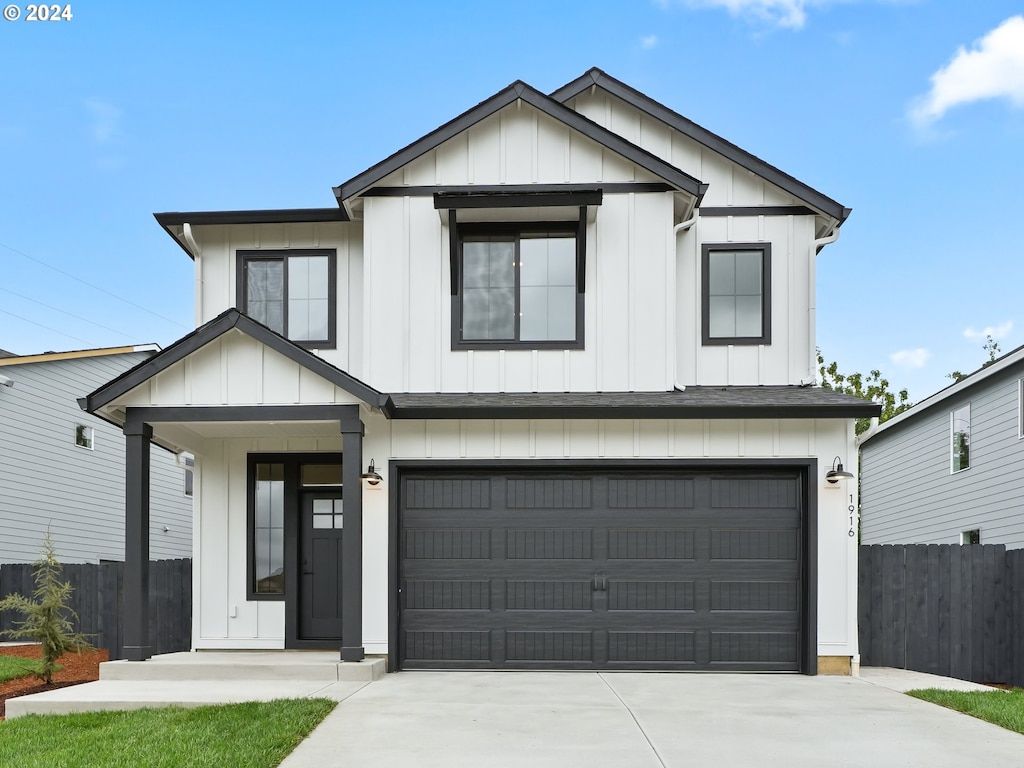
(636,412)
(606,187)
(47,357)
(217,327)
(701,135)
(458,200)
(1007,361)
(541,102)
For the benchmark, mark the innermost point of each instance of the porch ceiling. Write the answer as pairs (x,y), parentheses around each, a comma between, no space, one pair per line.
(191,435)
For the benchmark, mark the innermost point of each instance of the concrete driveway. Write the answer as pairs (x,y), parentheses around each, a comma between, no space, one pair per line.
(645,719)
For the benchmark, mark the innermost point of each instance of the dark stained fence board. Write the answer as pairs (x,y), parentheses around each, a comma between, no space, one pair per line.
(944,609)
(98,597)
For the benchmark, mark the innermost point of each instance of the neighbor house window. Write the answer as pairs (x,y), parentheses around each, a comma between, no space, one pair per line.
(84,436)
(190,475)
(1020,408)
(971,537)
(291,292)
(961,437)
(518,286)
(736,293)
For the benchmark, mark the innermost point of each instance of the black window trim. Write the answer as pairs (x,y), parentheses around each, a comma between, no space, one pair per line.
(706,249)
(243,257)
(577,228)
(292,465)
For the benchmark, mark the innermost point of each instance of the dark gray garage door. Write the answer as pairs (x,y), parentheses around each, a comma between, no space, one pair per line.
(586,570)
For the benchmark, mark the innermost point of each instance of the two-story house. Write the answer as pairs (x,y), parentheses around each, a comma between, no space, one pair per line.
(950,470)
(536,394)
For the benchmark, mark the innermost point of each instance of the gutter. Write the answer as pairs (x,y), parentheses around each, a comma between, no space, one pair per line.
(812,309)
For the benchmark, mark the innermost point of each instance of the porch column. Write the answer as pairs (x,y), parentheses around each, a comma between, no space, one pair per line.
(352,543)
(136,541)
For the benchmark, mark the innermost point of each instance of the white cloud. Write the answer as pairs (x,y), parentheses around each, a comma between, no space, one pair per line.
(995,331)
(909,359)
(992,69)
(106,120)
(648,42)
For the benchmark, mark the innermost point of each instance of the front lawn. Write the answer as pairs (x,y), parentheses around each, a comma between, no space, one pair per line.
(249,735)
(12,667)
(1004,708)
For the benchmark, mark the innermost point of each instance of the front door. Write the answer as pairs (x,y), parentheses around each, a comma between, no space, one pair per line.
(321,531)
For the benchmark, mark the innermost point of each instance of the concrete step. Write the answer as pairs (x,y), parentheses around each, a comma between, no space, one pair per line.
(245,665)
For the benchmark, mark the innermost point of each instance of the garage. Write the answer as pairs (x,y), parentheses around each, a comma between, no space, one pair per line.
(603,568)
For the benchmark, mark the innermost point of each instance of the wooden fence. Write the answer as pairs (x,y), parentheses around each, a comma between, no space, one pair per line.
(98,599)
(946,609)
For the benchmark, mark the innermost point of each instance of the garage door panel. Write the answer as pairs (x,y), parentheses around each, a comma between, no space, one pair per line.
(633,570)
(447,493)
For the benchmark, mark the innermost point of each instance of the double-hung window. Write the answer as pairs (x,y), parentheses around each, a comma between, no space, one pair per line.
(291,292)
(518,286)
(960,421)
(736,293)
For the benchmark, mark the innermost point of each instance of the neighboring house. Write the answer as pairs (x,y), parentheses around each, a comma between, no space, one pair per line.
(63,471)
(950,470)
(536,394)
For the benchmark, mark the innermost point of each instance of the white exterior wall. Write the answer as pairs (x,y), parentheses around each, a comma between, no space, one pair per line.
(216,274)
(221,534)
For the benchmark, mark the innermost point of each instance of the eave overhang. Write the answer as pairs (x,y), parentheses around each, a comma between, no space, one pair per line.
(596,77)
(519,90)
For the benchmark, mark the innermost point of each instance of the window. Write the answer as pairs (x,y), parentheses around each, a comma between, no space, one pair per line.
(190,473)
(971,537)
(1020,408)
(291,292)
(275,483)
(960,420)
(736,293)
(518,286)
(84,436)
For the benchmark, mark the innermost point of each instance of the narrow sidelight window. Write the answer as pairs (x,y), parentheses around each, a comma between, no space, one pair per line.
(268,530)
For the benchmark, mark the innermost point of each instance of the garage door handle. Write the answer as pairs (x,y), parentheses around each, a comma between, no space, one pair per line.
(599,583)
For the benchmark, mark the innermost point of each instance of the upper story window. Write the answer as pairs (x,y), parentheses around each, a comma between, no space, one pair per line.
(292,292)
(960,421)
(518,286)
(736,293)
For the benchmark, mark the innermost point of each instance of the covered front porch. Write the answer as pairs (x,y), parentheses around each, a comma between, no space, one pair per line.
(278,521)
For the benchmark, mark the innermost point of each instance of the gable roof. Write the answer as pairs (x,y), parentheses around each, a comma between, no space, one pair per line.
(203,335)
(704,137)
(5,353)
(1001,364)
(549,106)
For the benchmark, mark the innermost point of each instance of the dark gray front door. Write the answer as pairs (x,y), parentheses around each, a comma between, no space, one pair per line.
(614,570)
(322,528)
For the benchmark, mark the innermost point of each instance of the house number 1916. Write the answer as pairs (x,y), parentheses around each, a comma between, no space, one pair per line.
(853,528)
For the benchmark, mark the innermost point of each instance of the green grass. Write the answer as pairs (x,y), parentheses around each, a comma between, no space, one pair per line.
(1003,708)
(249,735)
(14,666)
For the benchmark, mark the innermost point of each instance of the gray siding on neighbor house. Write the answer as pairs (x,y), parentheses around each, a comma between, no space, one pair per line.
(48,481)
(909,495)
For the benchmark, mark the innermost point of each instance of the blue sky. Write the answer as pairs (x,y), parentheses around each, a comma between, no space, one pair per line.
(909,111)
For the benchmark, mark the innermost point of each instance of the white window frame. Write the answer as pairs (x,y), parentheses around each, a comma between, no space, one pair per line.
(966,535)
(1020,409)
(189,465)
(952,439)
(88,435)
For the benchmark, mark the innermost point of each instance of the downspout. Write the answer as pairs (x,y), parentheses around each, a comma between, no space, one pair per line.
(193,246)
(812,310)
(681,227)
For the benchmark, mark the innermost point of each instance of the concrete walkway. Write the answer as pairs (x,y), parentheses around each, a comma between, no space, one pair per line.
(649,719)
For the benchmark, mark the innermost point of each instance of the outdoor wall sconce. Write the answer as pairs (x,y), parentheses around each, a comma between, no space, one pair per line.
(837,472)
(372,477)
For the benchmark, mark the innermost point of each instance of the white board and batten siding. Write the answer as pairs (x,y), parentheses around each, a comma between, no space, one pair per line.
(226,619)
(217,264)
(48,482)
(912,496)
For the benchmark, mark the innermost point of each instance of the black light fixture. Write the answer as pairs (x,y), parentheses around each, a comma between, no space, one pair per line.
(371,475)
(837,472)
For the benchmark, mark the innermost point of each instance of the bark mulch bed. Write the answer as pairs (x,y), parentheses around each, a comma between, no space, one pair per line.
(77,668)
